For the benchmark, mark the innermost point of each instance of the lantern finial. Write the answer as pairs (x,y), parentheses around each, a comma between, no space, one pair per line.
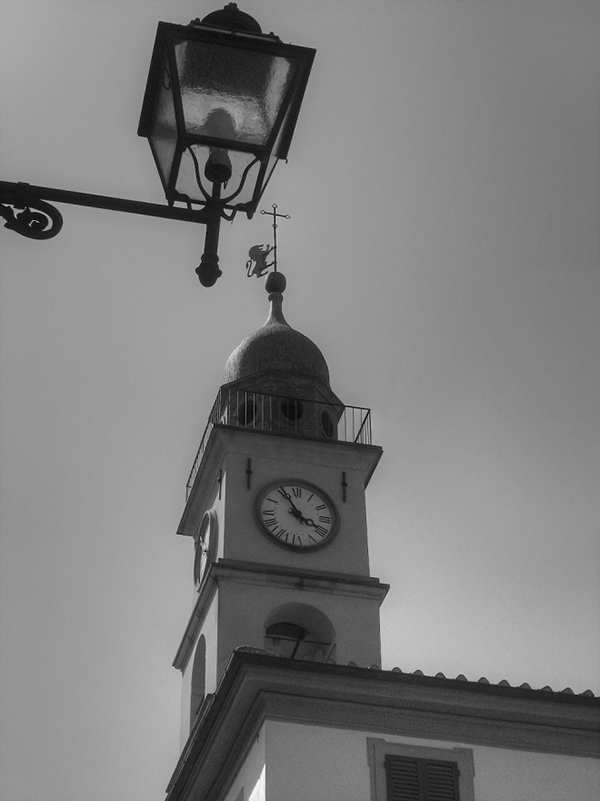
(232,18)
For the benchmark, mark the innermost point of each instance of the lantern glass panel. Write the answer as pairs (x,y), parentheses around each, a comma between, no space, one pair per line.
(163,130)
(231,93)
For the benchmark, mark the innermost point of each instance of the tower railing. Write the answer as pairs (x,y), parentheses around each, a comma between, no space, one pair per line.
(280,414)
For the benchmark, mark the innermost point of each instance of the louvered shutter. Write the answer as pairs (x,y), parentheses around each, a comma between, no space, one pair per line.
(402,779)
(412,779)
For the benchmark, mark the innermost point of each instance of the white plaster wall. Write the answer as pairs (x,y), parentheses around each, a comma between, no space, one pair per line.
(250,782)
(330,764)
(309,762)
(508,775)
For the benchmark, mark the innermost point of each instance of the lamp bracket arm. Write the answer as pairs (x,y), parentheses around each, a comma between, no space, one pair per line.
(28,197)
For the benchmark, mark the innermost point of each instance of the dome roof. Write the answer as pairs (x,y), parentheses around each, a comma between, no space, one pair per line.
(276,347)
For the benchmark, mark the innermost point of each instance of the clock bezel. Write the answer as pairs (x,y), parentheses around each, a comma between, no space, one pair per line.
(297,482)
(210,524)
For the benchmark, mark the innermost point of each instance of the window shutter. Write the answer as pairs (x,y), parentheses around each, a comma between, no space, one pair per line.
(415,779)
(402,779)
(441,781)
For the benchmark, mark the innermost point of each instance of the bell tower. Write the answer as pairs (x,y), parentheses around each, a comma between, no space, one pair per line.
(276,509)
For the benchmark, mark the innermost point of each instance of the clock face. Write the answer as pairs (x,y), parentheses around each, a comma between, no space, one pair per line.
(206,543)
(297,515)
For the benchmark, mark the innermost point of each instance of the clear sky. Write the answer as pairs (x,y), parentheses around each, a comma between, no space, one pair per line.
(443,252)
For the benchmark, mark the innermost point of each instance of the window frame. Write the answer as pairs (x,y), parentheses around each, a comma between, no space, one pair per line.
(378,749)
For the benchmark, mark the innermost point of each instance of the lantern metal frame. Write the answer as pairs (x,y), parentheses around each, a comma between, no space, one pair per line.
(27,208)
(277,145)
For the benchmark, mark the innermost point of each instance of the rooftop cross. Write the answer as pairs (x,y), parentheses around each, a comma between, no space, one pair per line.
(275,227)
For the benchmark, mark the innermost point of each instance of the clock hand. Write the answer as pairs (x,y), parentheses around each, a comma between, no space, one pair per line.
(294,511)
(303,519)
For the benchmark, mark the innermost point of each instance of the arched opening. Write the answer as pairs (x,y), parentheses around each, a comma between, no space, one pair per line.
(198,679)
(300,631)
(327,425)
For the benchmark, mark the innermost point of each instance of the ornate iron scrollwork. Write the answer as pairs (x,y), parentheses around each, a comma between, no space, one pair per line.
(25,212)
(29,216)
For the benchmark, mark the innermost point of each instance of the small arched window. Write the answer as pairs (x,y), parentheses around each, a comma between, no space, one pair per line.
(292,409)
(327,425)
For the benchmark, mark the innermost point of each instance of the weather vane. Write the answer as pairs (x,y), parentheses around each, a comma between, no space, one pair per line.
(257,263)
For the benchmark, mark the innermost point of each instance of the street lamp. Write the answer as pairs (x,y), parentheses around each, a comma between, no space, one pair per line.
(219,111)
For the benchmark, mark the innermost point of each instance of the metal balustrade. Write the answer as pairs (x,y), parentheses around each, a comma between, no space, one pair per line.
(281,414)
(296,648)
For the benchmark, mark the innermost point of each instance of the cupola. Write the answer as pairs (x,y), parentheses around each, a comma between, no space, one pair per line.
(277,379)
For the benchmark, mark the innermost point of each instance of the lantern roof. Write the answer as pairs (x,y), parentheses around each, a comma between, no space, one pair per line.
(232,18)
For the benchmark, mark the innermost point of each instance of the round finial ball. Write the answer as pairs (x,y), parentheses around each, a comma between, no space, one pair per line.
(275,282)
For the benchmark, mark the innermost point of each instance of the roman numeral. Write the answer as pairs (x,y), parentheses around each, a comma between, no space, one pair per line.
(321,506)
(321,531)
(273,500)
(297,492)
(272,522)
(324,519)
